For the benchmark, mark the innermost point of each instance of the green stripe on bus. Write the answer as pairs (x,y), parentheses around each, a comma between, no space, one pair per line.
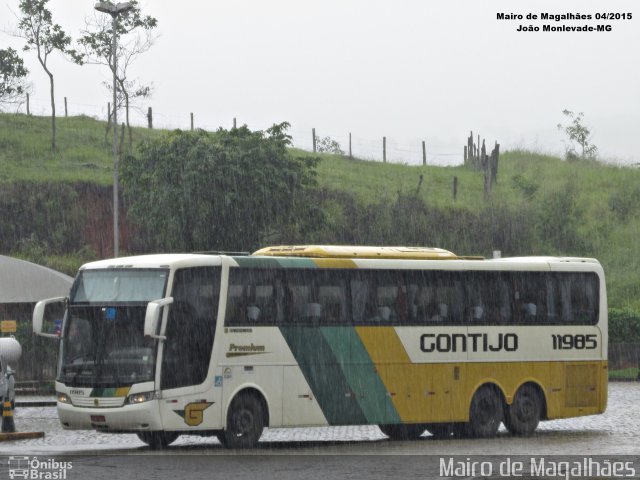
(361,374)
(257,262)
(275,262)
(296,263)
(324,375)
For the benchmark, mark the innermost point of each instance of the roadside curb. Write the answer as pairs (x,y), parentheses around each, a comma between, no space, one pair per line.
(20,436)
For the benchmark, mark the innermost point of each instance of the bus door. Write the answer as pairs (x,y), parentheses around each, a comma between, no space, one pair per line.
(189,399)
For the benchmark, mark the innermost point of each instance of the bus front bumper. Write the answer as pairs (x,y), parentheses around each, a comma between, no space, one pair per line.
(128,418)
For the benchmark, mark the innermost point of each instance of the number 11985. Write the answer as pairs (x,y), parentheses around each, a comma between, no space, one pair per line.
(574,342)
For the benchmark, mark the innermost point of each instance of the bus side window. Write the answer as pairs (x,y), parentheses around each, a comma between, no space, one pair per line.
(255,297)
(579,297)
(190,327)
(475,307)
(235,314)
(359,294)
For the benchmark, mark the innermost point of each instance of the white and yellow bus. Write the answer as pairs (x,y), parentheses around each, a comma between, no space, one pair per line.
(410,339)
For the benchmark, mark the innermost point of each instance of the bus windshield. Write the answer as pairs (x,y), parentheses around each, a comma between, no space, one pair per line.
(105,347)
(103,342)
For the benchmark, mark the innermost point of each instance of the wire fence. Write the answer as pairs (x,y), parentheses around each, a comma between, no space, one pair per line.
(388,148)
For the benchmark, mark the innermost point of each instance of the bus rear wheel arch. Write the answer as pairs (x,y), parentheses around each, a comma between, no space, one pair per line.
(246,418)
(523,415)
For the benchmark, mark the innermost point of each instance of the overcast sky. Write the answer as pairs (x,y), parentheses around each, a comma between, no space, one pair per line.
(410,70)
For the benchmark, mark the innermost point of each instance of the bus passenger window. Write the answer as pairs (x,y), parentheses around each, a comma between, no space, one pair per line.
(359,294)
(332,300)
(529,312)
(428,309)
(312,312)
(255,297)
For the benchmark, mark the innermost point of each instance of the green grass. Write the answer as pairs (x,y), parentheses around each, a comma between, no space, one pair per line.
(625,374)
(82,153)
(372,181)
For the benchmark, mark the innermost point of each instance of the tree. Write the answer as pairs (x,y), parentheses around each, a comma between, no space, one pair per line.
(328,145)
(227,190)
(42,35)
(135,36)
(12,76)
(578,132)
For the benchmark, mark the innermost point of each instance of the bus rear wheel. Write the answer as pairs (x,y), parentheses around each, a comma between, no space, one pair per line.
(523,415)
(158,440)
(486,413)
(402,432)
(245,422)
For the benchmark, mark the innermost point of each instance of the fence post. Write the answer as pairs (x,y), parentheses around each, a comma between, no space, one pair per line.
(424,154)
(313,132)
(150,117)
(486,168)
(28,112)
(384,149)
(65,107)
(192,121)
(495,154)
(455,188)
(350,154)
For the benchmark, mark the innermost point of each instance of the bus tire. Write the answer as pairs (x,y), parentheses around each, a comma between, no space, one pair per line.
(158,440)
(245,422)
(523,415)
(486,413)
(440,430)
(402,432)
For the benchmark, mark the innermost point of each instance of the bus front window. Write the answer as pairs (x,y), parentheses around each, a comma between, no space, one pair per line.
(103,342)
(105,347)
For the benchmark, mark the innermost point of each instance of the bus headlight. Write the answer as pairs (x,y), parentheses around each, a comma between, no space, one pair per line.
(140,397)
(64,398)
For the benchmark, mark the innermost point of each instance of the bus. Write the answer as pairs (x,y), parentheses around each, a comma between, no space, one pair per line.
(411,339)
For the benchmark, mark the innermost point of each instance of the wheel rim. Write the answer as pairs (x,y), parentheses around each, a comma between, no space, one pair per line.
(244,422)
(526,406)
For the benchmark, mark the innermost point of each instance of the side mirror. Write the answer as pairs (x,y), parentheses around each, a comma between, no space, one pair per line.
(152,318)
(38,315)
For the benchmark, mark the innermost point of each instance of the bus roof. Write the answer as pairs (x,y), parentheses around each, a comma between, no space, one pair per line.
(154,261)
(344,251)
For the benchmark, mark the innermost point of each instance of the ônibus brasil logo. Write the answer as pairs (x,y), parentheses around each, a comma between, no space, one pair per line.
(32,468)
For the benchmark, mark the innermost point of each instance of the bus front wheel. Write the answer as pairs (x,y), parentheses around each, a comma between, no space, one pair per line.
(402,432)
(158,440)
(245,422)
(523,415)
(486,413)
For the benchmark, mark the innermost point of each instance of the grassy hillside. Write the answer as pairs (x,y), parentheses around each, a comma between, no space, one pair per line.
(83,153)
(597,203)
